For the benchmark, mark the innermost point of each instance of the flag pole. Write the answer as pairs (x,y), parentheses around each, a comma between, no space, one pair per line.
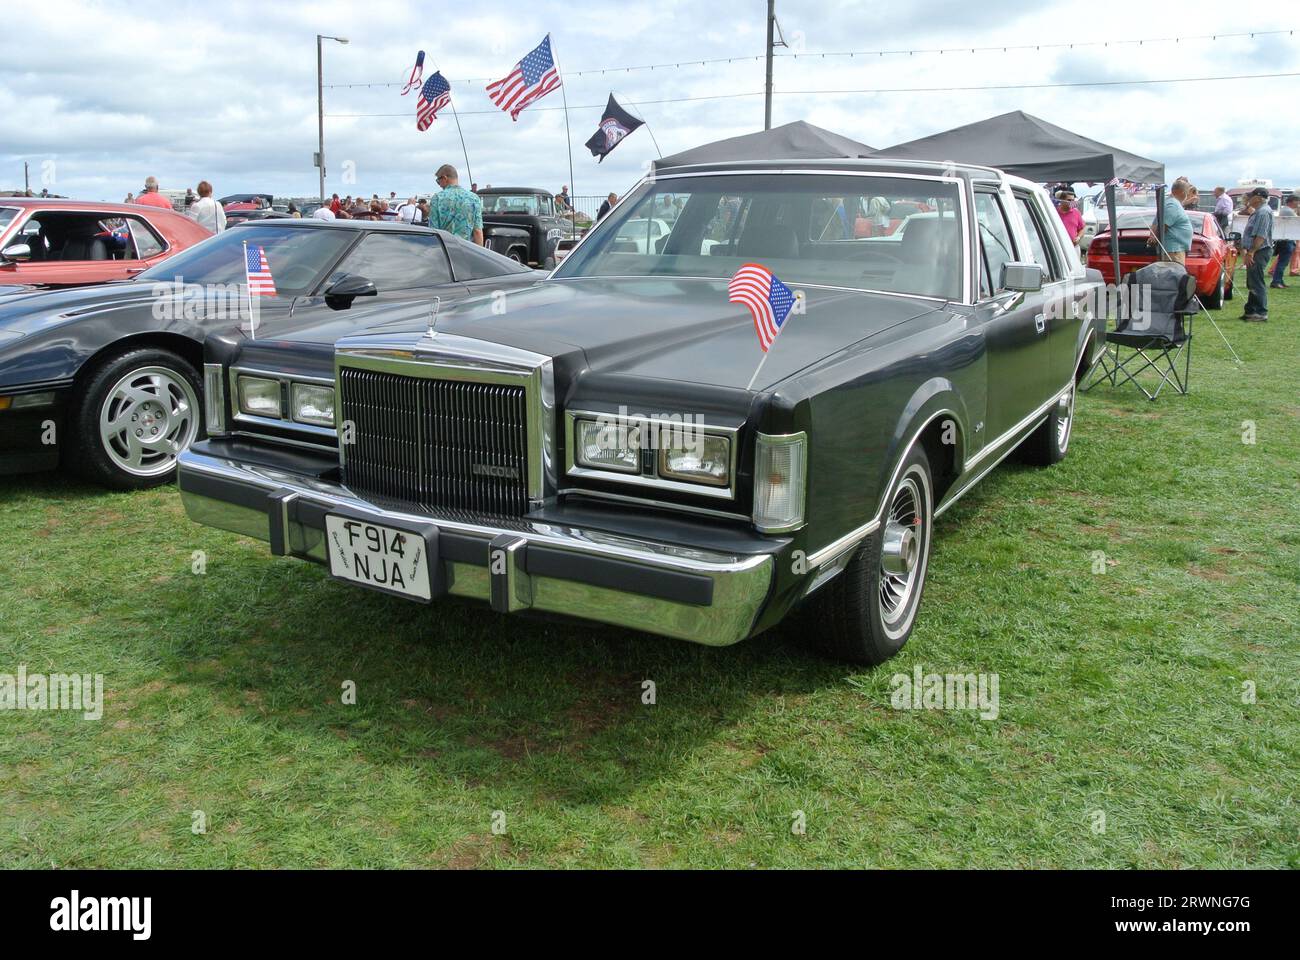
(759,368)
(646,124)
(568,142)
(451,102)
(248,294)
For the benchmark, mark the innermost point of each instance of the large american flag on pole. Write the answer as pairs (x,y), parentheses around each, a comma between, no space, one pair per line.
(435,95)
(258,270)
(768,299)
(532,78)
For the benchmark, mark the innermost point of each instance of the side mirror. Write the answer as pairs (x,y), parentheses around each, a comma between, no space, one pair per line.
(1235,237)
(340,294)
(1022,277)
(17,252)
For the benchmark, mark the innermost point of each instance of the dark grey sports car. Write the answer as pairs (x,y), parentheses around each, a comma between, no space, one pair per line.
(612,443)
(106,379)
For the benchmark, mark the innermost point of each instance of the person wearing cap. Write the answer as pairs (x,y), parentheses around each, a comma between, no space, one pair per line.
(151,197)
(1257,241)
(1069,213)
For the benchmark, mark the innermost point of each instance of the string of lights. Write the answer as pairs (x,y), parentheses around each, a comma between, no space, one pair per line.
(929,51)
(808,93)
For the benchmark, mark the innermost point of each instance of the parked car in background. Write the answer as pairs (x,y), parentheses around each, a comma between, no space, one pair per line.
(73,243)
(116,369)
(607,446)
(522,224)
(1212,258)
(243,215)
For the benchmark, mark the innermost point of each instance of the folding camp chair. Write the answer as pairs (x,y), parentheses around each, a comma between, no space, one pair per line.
(1156,341)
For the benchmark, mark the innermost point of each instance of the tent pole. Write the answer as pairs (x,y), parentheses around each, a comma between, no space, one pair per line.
(1114,233)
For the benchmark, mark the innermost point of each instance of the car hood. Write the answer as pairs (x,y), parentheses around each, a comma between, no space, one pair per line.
(661,328)
(25,312)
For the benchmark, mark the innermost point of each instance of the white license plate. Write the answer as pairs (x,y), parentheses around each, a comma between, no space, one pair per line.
(374,555)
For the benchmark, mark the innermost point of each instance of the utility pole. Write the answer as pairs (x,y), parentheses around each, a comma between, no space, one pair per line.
(320,110)
(767,101)
(27,184)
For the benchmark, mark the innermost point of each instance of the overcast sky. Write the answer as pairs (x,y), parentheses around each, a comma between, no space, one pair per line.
(95,96)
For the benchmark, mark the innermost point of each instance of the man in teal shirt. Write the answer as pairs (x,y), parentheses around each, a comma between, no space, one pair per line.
(456,209)
(1178,226)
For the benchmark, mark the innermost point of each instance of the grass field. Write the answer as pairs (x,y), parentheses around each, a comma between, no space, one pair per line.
(1124,695)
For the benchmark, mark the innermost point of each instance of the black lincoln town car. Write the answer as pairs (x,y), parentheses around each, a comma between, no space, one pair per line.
(599,444)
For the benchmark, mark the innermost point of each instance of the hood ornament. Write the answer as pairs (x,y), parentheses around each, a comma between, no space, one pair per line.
(431,333)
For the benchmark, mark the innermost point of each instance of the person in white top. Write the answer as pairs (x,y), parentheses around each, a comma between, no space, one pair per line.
(206,211)
(323,212)
(408,212)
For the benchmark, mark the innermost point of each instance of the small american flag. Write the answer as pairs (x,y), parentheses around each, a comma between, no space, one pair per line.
(768,299)
(532,78)
(260,283)
(435,95)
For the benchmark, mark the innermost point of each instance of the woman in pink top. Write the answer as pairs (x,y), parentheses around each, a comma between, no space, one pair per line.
(1070,216)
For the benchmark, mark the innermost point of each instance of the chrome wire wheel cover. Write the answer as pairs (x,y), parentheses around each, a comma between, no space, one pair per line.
(147,419)
(904,546)
(1064,419)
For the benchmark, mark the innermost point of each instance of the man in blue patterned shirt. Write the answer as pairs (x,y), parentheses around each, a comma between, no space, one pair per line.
(455,209)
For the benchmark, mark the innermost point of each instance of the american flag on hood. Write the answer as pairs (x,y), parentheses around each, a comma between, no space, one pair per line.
(260,283)
(532,78)
(435,95)
(768,299)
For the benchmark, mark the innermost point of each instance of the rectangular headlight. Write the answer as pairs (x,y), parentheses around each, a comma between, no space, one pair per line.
(780,480)
(260,397)
(604,445)
(312,403)
(703,458)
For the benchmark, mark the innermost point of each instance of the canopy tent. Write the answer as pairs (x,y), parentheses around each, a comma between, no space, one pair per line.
(792,141)
(1030,147)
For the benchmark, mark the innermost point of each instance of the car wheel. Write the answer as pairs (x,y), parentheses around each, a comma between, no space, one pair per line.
(1214,301)
(517,255)
(1051,441)
(865,615)
(134,417)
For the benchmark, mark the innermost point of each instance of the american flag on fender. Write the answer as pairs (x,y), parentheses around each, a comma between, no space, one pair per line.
(532,78)
(416,73)
(768,299)
(435,95)
(260,283)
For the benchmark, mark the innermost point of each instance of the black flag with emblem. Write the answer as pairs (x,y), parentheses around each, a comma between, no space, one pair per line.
(615,124)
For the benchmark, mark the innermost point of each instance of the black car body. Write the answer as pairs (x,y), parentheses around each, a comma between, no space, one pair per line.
(612,444)
(522,223)
(57,348)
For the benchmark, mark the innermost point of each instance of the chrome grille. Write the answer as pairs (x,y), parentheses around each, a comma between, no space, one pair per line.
(439,444)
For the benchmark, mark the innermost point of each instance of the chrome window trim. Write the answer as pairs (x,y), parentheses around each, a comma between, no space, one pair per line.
(654,482)
(452,357)
(959,182)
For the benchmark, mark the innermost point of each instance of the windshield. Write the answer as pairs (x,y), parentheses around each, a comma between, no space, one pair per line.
(830,229)
(297,257)
(525,203)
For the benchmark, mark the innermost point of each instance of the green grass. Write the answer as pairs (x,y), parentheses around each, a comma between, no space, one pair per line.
(1120,693)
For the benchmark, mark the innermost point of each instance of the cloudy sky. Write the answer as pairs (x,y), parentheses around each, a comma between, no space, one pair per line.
(95,96)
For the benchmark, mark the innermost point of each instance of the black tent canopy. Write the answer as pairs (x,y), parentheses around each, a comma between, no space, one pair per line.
(792,141)
(1030,147)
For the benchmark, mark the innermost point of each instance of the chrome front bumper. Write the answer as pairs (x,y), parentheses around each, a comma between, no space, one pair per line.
(693,594)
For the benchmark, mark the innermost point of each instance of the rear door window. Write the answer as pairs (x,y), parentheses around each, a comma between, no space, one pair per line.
(1040,246)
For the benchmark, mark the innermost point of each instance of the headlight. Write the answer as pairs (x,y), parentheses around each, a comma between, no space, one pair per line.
(604,445)
(312,403)
(260,397)
(704,459)
(780,476)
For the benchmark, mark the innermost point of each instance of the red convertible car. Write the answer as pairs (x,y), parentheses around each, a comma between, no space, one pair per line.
(1212,258)
(50,243)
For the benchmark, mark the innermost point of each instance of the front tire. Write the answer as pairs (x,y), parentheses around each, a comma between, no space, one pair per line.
(135,415)
(1214,301)
(866,614)
(1051,441)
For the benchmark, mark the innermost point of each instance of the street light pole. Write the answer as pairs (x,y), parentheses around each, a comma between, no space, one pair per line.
(767,100)
(320,110)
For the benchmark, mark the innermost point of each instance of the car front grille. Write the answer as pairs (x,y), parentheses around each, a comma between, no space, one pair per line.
(438,444)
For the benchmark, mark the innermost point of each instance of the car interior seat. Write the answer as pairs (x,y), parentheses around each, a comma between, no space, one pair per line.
(778,242)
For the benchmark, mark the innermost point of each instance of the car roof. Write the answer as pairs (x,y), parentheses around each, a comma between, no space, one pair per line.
(369,226)
(934,168)
(84,206)
(532,190)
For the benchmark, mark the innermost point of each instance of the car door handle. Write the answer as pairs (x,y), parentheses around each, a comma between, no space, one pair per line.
(1040,322)
(136,269)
